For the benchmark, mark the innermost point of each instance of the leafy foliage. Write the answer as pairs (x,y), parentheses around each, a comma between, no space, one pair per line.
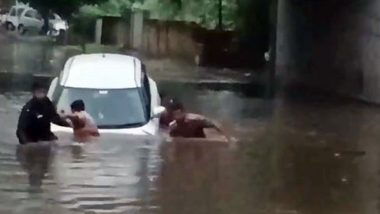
(204,12)
(108,8)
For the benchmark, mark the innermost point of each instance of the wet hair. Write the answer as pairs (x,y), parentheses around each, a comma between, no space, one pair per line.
(77,105)
(37,86)
(174,105)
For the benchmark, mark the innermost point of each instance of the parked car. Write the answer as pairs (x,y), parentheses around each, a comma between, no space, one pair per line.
(117,91)
(24,18)
(12,19)
(57,25)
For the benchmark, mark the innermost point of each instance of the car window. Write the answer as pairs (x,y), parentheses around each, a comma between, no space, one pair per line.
(37,15)
(51,16)
(30,14)
(12,12)
(109,108)
(57,17)
(54,16)
(20,11)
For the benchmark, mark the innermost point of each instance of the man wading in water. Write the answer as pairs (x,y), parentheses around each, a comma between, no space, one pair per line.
(35,136)
(187,125)
(83,124)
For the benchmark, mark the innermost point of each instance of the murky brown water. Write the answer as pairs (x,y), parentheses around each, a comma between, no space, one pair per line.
(304,154)
(294,156)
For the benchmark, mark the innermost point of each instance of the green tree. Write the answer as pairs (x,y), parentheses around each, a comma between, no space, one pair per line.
(108,8)
(250,17)
(208,13)
(204,12)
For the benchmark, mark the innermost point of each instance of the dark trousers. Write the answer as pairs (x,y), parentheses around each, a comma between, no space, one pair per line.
(35,159)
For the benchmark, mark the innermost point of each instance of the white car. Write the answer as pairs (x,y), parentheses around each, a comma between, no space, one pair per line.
(116,90)
(24,18)
(12,19)
(57,25)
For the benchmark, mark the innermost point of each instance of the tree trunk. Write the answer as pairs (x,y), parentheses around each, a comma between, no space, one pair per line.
(45,27)
(45,17)
(220,15)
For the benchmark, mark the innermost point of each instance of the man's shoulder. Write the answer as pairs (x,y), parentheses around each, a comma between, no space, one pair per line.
(192,116)
(30,103)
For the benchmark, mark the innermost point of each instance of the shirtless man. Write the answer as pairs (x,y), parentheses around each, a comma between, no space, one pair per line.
(83,124)
(187,125)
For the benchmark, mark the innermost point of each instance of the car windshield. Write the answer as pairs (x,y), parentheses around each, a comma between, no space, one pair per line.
(110,108)
(54,16)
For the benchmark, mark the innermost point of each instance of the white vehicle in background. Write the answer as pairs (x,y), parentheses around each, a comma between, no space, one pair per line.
(57,25)
(24,18)
(12,19)
(116,90)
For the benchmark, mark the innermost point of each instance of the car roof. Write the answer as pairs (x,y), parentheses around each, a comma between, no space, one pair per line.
(21,6)
(102,71)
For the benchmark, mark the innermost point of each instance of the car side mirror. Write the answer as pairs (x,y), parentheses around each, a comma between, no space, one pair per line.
(157,111)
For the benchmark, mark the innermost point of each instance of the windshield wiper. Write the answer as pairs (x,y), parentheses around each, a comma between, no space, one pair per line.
(129,125)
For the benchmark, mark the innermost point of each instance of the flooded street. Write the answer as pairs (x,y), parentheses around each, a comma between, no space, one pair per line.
(298,154)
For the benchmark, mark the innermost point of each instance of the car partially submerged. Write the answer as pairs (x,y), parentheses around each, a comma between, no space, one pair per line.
(116,89)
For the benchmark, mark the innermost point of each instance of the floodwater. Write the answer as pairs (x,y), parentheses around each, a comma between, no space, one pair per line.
(299,153)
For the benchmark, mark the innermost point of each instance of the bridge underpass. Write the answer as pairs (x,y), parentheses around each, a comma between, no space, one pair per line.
(330,45)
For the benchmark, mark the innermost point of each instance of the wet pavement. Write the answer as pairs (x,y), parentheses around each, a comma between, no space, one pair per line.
(299,154)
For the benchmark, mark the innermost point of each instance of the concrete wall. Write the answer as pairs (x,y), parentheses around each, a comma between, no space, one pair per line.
(332,45)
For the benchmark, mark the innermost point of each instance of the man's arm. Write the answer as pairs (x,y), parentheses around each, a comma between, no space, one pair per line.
(55,117)
(172,129)
(21,126)
(207,123)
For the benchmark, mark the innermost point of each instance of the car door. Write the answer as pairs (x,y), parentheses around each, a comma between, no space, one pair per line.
(39,20)
(31,20)
(16,19)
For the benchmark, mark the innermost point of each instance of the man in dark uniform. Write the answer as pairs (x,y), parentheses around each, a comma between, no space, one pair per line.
(34,134)
(36,116)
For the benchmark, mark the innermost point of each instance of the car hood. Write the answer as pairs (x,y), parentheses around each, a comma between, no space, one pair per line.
(149,129)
